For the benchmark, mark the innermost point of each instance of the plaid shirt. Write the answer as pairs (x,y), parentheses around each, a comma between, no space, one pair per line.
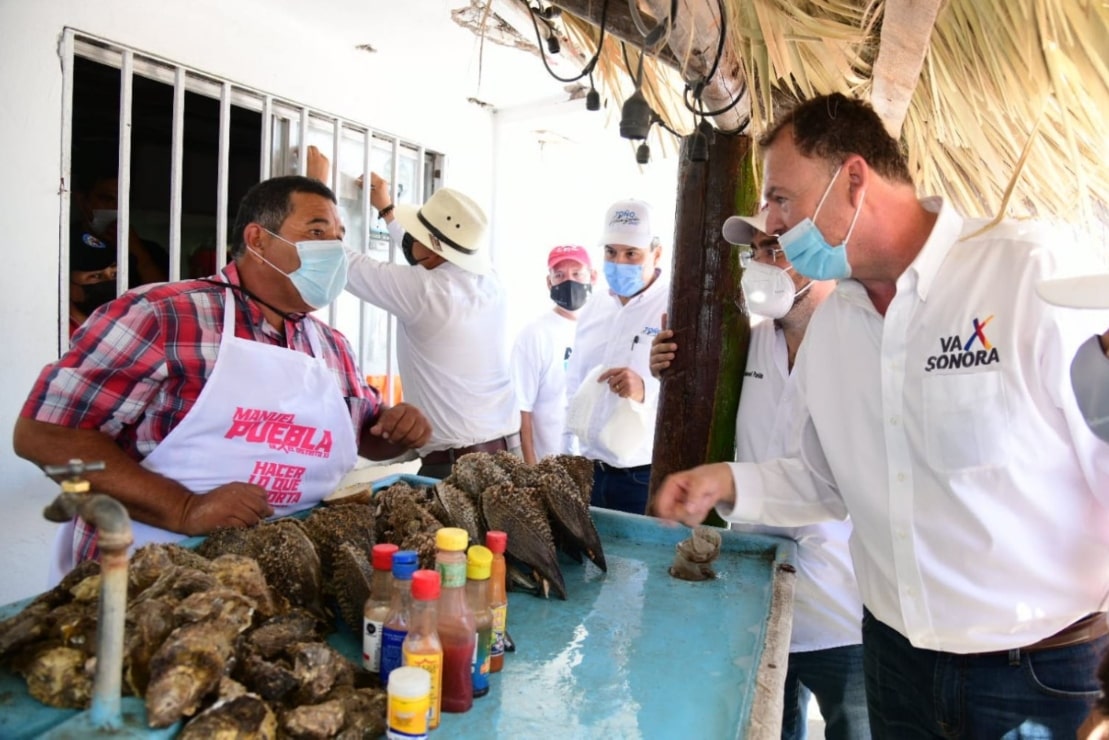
(136,367)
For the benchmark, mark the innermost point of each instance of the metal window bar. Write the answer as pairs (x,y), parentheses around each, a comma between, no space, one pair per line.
(223,165)
(66,179)
(268,122)
(363,247)
(336,144)
(123,177)
(177,147)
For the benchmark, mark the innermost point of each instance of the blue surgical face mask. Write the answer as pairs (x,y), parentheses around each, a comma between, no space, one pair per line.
(808,250)
(625,280)
(322,274)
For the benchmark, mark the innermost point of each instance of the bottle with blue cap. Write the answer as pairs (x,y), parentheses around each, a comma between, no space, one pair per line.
(395,628)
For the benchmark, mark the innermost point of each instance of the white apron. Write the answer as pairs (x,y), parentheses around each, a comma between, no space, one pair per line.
(268,415)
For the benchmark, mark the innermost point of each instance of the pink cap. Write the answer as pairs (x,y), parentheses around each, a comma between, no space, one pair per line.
(570,252)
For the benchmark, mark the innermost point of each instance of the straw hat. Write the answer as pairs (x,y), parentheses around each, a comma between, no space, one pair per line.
(452,225)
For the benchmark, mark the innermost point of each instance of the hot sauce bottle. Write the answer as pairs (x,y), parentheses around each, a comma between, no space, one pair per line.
(457,629)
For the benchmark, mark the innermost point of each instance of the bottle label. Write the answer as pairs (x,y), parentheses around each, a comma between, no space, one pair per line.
(371,645)
(433,664)
(391,653)
(452,574)
(408,717)
(500,619)
(481,661)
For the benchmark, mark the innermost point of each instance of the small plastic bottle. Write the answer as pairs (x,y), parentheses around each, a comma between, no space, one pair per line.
(377,606)
(396,621)
(409,704)
(497,541)
(457,631)
(479,559)
(422,648)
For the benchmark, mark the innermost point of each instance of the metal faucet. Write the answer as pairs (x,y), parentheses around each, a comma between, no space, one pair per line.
(113,525)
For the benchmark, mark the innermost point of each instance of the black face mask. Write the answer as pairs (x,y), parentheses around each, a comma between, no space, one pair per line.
(406,245)
(570,294)
(96,295)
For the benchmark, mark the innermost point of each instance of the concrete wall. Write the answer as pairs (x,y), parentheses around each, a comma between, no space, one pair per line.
(416,86)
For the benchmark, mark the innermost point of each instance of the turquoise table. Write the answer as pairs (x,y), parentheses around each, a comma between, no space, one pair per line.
(632,653)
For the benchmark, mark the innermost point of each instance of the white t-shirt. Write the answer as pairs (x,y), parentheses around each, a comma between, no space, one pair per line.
(949,430)
(615,335)
(827,610)
(452,346)
(539,359)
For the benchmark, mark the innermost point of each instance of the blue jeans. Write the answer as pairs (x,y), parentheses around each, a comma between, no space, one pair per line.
(622,489)
(916,693)
(835,677)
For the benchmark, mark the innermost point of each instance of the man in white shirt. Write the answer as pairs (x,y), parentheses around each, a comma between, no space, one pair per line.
(614,397)
(452,344)
(937,412)
(542,352)
(826,654)
(1090,378)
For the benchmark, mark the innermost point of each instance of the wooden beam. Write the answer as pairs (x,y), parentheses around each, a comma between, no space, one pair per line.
(700,390)
(694,39)
(618,22)
(906,33)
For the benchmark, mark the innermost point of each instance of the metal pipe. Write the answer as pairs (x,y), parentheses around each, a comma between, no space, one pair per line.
(114,538)
(113,526)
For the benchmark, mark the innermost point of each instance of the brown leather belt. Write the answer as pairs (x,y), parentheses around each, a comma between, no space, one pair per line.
(1090,627)
(447,457)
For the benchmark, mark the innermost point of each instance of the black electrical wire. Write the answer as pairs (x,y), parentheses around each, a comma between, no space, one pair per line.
(588,68)
(712,70)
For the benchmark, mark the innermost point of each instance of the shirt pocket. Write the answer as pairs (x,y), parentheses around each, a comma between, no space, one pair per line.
(966,420)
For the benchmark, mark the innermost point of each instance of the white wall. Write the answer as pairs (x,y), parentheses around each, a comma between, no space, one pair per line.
(416,86)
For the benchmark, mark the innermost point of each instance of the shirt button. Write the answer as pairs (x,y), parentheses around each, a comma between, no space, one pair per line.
(900,477)
(910,591)
(894,420)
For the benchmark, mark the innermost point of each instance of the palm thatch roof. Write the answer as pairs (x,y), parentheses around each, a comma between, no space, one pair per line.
(1004,101)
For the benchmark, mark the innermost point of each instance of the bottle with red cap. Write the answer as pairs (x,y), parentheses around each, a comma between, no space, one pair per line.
(497,541)
(422,648)
(400,604)
(457,629)
(376,608)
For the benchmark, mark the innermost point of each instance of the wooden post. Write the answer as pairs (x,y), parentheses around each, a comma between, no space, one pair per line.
(700,390)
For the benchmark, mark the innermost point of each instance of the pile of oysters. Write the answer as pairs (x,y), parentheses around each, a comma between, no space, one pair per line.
(231,637)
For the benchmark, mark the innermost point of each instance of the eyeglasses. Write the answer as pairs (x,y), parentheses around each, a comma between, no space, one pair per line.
(764,253)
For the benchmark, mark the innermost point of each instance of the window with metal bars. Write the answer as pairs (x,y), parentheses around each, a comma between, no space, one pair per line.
(157,155)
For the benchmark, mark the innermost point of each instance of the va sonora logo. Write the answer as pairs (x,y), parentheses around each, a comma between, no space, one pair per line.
(956,354)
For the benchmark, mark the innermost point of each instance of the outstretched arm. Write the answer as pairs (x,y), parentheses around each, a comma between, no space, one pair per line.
(149,497)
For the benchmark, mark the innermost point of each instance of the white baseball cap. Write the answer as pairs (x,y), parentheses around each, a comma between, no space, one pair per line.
(741,230)
(1084,291)
(629,222)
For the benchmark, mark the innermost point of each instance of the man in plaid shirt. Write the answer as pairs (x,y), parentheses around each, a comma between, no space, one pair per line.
(219,402)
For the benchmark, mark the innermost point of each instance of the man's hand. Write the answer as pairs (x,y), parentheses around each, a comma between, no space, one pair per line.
(624,382)
(318,166)
(662,351)
(380,197)
(403,425)
(689,496)
(233,504)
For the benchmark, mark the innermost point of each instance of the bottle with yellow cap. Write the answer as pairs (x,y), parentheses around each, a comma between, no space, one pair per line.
(479,563)
(457,631)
